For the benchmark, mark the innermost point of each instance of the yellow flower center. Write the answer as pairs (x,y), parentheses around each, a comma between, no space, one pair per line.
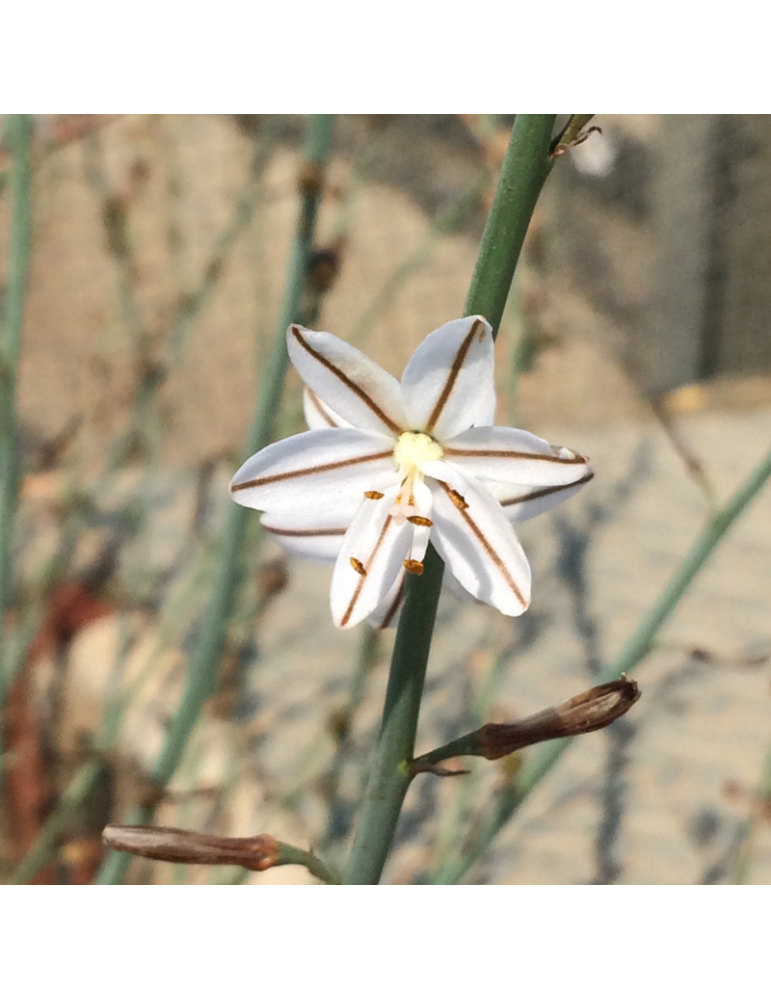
(412,449)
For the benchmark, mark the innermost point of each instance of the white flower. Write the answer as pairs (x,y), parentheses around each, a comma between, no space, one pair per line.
(388,466)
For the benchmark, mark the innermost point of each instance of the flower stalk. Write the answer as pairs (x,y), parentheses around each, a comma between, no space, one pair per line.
(523,173)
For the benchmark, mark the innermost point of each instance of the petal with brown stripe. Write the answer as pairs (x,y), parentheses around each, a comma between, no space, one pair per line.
(479,546)
(317,470)
(318,536)
(509,455)
(347,381)
(371,558)
(317,414)
(520,503)
(448,385)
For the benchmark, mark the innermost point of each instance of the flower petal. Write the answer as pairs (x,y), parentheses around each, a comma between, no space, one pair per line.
(522,502)
(317,536)
(318,415)
(317,470)
(386,614)
(508,455)
(372,556)
(478,544)
(348,382)
(448,385)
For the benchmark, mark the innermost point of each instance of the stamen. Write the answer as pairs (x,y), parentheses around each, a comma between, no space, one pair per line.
(358,566)
(373,495)
(413,566)
(457,499)
(424,522)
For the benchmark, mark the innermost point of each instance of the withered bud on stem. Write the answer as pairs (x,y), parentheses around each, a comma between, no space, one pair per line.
(588,711)
(164,843)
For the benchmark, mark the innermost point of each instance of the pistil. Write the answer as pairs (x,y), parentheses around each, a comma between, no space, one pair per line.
(411,450)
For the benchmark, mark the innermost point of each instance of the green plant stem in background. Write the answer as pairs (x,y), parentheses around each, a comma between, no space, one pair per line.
(539,765)
(18,131)
(524,170)
(202,668)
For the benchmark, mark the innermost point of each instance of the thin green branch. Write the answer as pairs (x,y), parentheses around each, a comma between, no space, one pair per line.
(18,131)
(524,170)
(539,765)
(202,668)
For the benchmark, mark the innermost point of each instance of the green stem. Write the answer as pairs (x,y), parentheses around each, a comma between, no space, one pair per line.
(18,131)
(539,765)
(390,777)
(203,665)
(524,170)
(289,855)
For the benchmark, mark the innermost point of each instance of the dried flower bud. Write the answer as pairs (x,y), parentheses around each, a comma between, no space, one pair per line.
(588,711)
(163,843)
(593,709)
